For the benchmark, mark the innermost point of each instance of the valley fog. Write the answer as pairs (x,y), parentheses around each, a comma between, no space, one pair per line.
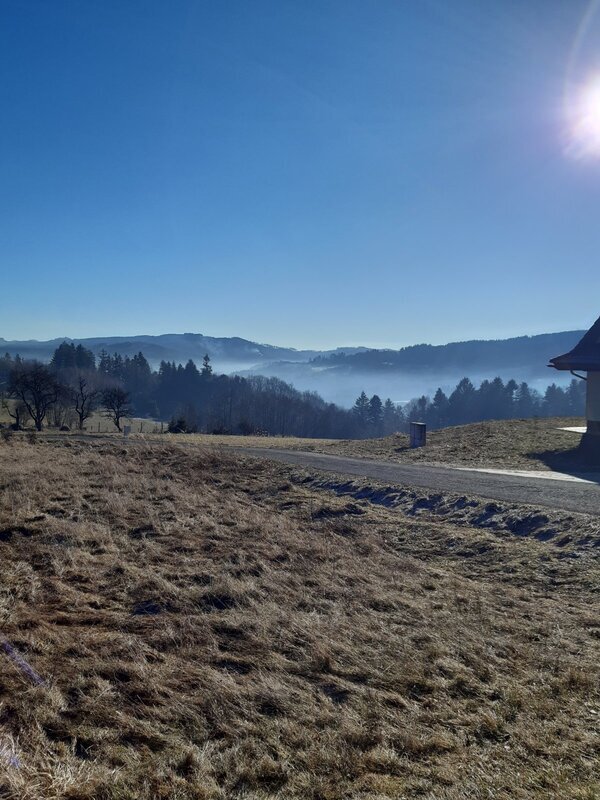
(342,388)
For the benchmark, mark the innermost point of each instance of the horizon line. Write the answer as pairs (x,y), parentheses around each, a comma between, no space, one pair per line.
(287,347)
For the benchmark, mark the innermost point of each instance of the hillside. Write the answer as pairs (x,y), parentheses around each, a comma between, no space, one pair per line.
(472,356)
(421,369)
(205,627)
(506,444)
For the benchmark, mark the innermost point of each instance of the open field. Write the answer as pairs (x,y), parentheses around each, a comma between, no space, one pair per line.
(536,444)
(98,423)
(510,444)
(208,627)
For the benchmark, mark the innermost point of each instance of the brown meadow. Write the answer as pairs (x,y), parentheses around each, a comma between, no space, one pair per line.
(536,444)
(212,627)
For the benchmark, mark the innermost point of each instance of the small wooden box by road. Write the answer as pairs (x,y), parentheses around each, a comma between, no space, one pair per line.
(418,434)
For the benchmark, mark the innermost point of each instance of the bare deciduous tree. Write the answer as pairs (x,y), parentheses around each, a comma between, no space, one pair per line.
(115,402)
(16,410)
(85,395)
(61,413)
(36,388)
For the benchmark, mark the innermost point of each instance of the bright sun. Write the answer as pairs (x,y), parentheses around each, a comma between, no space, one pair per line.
(585,119)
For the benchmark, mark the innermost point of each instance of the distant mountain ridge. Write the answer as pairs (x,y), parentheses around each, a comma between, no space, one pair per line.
(475,354)
(224,351)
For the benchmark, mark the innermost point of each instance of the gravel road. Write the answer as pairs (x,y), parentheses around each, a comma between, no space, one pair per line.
(567,495)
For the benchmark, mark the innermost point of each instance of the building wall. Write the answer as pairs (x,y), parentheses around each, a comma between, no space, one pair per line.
(593,402)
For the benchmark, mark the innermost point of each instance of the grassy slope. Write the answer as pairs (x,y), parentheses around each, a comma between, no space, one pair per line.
(211,631)
(523,444)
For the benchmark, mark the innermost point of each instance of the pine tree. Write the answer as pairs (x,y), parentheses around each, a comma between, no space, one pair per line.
(511,389)
(575,396)
(462,403)
(524,402)
(360,411)
(439,410)
(104,363)
(422,408)
(117,367)
(64,357)
(391,418)
(84,358)
(206,367)
(375,414)
(555,402)
(498,405)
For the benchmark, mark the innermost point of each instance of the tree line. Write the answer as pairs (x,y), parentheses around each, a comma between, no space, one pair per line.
(76,384)
(492,400)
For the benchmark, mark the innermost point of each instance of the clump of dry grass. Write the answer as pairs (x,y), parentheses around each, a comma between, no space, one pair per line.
(210,628)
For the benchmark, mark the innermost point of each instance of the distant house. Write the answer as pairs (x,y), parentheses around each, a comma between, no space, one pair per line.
(585,357)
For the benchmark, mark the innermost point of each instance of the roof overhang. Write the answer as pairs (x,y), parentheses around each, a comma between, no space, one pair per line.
(569,364)
(585,356)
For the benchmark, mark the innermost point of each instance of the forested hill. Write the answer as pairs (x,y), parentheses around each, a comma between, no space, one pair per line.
(234,353)
(340,375)
(471,356)
(73,386)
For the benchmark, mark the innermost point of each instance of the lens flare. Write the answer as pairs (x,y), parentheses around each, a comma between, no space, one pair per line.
(584,113)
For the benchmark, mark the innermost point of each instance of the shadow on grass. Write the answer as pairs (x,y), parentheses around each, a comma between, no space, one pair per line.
(582,461)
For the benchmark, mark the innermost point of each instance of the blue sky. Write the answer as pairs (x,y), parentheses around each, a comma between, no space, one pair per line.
(302,172)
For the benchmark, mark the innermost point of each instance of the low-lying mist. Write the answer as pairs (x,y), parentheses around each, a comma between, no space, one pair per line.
(343,388)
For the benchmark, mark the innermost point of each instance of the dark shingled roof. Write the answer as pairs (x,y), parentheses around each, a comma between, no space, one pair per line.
(585,355)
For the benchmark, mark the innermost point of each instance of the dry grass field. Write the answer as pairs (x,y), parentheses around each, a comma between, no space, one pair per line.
(98,423)
(210,628)
(510,444)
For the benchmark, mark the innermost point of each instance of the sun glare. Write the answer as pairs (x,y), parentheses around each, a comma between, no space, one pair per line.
(585,120)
